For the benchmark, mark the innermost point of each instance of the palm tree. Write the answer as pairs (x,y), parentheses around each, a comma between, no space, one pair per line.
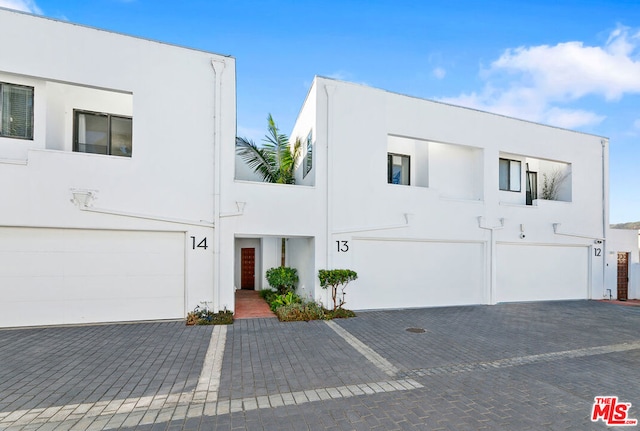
(275,161)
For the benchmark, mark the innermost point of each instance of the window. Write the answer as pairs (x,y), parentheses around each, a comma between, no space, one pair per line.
(398,169)
(532,186)
(308,160)
(102,134)
(509,175)
(16,111)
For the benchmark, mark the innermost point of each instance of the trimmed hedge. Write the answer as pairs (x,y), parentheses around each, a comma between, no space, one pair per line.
(283,279)
(300,311)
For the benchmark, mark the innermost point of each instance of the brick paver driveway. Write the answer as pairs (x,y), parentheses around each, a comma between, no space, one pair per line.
(534,366)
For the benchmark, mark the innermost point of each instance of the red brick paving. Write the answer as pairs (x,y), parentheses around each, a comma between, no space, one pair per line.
(631,302)
(249,305)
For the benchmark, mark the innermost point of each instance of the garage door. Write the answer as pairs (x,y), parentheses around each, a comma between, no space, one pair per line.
(60,276)
(539,273)
(402,274)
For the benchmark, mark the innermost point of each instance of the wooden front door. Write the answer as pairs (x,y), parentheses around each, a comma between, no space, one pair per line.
(623,276)
(247,268)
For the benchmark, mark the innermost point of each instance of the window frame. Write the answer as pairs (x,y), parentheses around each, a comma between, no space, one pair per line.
(30,118)
(76,144)
(308,158)
(390,168)
(532,187)
(509,175)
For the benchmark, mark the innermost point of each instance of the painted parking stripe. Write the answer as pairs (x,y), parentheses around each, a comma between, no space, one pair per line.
(373,357)
(209,381)
(140,411)
(522,360)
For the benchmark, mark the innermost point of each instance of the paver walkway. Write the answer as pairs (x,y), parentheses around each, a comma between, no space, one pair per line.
(531,366)
(628,302)
(249,305)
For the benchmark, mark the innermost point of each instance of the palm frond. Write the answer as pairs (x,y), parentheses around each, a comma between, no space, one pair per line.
(275,161)
(289,163)
(259,159)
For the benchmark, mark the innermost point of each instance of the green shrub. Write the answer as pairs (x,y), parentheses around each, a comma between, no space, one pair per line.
(268,295)
(286,299)
(339,313)
(336,279)
(283,279)
(204,316)
(300,311)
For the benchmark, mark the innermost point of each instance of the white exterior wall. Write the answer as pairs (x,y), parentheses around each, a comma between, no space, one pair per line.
(307,123)
(444,240)
(414,245)
(168,185)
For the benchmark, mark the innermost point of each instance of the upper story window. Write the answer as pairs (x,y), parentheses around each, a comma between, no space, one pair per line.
(510,172)
(308,160)
(16,111)
(532,186)
(398,169)
(102,134)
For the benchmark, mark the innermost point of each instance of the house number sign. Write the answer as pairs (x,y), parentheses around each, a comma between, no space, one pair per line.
(343,246)
(201,244)
(597,252)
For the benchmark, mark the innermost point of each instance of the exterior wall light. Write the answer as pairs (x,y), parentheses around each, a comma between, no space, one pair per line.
(82,198)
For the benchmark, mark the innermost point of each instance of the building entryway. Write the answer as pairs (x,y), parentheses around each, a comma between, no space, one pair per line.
(248,268)
(249,305)
(623,276)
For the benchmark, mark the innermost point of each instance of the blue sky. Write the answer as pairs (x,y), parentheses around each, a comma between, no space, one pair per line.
(573,64)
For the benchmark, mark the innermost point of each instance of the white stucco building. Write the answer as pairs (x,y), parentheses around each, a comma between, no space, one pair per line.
(434,204)
(128,130)
(127,200)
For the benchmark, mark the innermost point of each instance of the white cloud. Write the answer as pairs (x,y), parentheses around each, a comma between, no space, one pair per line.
(571,118)
(439,72)
(535,82)
(21,5)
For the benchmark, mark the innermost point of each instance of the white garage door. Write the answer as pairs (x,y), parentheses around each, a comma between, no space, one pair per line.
(539,273)
(59,276)
(402,274)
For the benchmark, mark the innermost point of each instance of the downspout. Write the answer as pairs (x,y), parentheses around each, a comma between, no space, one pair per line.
(493,257)
(200,223)
(556,230)
(605,206)
(218,69)
(407,220)
(329,90)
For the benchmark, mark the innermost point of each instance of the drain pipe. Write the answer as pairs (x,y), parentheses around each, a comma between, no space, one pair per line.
(556,230)
(407,222)
(492,254)
(605,207)
(329,91)
(218,69)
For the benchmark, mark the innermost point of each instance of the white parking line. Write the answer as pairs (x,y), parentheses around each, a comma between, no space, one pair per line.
(209,381)
(366,351)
